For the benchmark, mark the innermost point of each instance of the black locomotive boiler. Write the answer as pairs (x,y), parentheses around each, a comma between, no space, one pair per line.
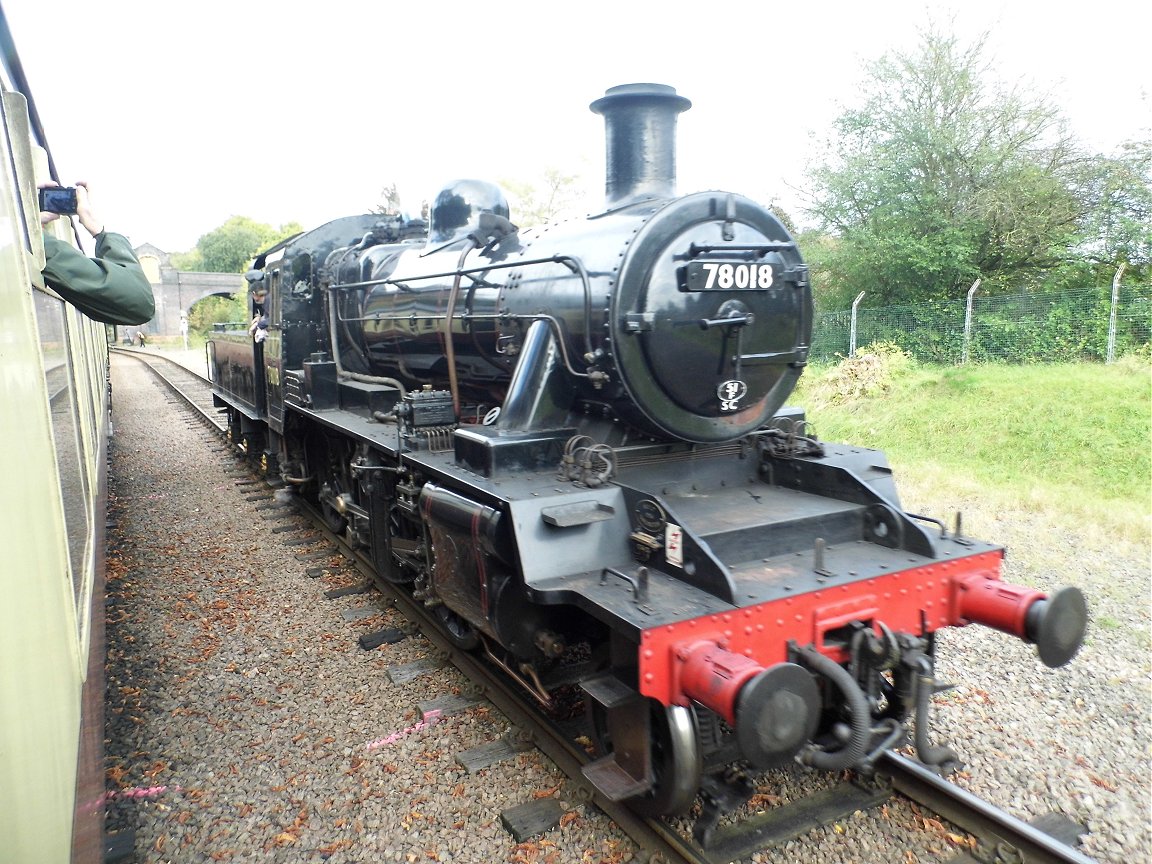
(571,444)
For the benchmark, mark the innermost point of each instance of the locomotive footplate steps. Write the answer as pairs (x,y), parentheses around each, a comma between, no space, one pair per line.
(623,773)
(612,781)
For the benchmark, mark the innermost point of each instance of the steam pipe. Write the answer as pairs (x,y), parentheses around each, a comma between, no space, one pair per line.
(860,715)
(341,372)
(449,340)
(529,378)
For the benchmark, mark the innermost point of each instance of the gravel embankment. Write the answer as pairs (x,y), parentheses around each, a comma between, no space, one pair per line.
(1076,740)
(245,723)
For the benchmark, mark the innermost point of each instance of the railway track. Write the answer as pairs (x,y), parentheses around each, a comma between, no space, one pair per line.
(192,388)
(998,837)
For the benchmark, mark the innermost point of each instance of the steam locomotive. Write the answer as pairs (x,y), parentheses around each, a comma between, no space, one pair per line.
(572,445)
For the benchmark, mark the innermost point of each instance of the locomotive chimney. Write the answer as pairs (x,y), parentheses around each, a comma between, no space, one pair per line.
(640,127)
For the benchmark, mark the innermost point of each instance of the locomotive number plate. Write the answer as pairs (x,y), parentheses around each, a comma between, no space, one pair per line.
(728,276)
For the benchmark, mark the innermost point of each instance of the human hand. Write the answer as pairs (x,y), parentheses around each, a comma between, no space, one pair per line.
(45,216)
(84,211)
(88,218)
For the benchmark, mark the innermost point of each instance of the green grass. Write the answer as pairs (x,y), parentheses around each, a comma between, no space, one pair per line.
(1074,439)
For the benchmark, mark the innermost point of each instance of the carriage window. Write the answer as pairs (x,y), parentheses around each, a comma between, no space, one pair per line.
(66,432)
(23,155)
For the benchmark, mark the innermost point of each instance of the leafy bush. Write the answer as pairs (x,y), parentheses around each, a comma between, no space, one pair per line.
(870,372)
(211,310)
(1137,361)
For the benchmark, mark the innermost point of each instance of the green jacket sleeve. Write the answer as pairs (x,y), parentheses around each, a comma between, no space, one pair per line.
(110,288)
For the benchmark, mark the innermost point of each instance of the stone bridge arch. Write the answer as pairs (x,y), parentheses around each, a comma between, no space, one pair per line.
(177,291)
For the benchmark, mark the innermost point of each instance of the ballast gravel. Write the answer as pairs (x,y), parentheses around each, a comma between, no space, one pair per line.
(245,723)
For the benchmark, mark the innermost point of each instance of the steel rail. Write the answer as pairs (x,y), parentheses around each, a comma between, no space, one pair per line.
(145,355)
(659,842)
(1009,838)
(208,416)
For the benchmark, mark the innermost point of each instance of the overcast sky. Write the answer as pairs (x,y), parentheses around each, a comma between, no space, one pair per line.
(181,115)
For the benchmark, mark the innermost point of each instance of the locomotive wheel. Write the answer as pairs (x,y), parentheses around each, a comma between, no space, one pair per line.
(677,762)
(459,632)
(400,532)
(332,518)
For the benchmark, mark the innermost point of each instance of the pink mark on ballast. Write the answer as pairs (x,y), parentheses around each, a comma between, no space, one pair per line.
(430,719)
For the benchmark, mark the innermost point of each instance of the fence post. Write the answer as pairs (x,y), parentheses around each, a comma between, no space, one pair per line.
(968,323)
(1112,314)
(852,329)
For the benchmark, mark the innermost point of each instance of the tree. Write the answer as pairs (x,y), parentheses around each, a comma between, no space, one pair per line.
(231,247)
(940,177)
(389,201)
(785,218)
(217,308)
(190,262)
(536,203)
(1117,223)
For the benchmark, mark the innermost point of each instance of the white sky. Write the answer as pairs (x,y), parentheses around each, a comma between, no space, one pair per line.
(183,114)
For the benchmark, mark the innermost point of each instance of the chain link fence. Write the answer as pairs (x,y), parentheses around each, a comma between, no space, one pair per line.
(1070,326)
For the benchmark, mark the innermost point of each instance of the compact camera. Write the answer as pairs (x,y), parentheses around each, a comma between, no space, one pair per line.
(58,199)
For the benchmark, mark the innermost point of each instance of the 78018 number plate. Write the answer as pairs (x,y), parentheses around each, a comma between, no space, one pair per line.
(728,276)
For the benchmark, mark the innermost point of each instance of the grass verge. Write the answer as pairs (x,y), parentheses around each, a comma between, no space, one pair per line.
(1072,439)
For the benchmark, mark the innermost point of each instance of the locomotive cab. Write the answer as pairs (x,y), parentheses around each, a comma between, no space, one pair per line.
(236,366)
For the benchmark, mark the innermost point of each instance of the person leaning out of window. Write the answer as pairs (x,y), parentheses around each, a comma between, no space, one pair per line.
(111,287)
